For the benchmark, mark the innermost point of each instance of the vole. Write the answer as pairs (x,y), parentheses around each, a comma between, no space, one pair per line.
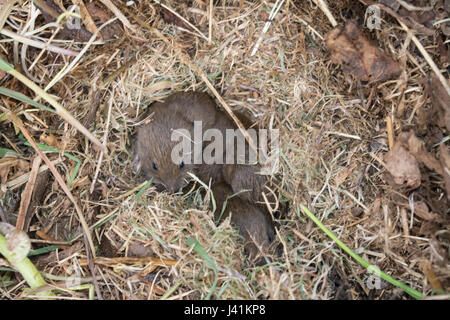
(178,113)
(255,225)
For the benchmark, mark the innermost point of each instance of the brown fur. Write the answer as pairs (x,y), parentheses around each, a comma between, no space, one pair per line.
(154,146)
(255,226)
(153,155)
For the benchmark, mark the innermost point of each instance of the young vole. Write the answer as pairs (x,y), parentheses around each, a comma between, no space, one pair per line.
(255,226)
(178,113)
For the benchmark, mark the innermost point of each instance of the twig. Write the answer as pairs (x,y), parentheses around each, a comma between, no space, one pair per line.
(89,244)
(36,43)
(324,7)
(27,193)
(211,7)
(411,7)
(60,110)
(183,19)
(427,58)
(57,176)
(105,138)
(390,132)
(17,182)
(118,14)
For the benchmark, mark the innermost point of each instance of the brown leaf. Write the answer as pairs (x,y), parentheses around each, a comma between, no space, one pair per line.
(440,101)
(10,163)
(421,210)
(427,228)
(171,18)
(417,149)
(343,174)
(359,56)
(403,166)
(100,15)
(431,276)
(50,140)
(26,194)
(445,164)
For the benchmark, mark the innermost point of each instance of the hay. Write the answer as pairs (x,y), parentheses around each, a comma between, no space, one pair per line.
(331,142)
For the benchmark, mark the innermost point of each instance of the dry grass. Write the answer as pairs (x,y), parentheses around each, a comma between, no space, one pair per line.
(331,143)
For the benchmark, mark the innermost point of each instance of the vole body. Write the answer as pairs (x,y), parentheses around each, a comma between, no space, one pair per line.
(236,185)
(179,111)
(255,226)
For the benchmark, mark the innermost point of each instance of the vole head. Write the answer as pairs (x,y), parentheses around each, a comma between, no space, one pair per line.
(155,158)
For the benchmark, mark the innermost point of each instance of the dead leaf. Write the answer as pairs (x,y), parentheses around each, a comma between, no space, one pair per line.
(27,193)
(50,140)
(138,249)
(431,276)
(87,18)
(359,56)
(427,228)
(417,149)
(11,163)
(171,18)
(440,101)
(421,210)
(445,164)
(403,166)
(100,15)
(442,11)
(343,174)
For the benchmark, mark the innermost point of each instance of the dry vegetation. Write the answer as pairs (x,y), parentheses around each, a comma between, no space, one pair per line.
(333,137)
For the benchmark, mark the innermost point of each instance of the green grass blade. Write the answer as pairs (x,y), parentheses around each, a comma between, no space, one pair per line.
(5,66)
(414,293)
(213,200)
(21,97)
(44,147)
(5,151)
(142,190)
(42,250)
(170,291)
(209,262)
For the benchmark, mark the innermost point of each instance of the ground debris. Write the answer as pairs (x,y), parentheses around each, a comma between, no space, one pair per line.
(445,163)
(359,56)
(440,101)
(403,166)
(417,149)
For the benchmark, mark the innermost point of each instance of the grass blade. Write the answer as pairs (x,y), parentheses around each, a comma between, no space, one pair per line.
(21,97)
(209,262)
(60,110)
(414,293)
